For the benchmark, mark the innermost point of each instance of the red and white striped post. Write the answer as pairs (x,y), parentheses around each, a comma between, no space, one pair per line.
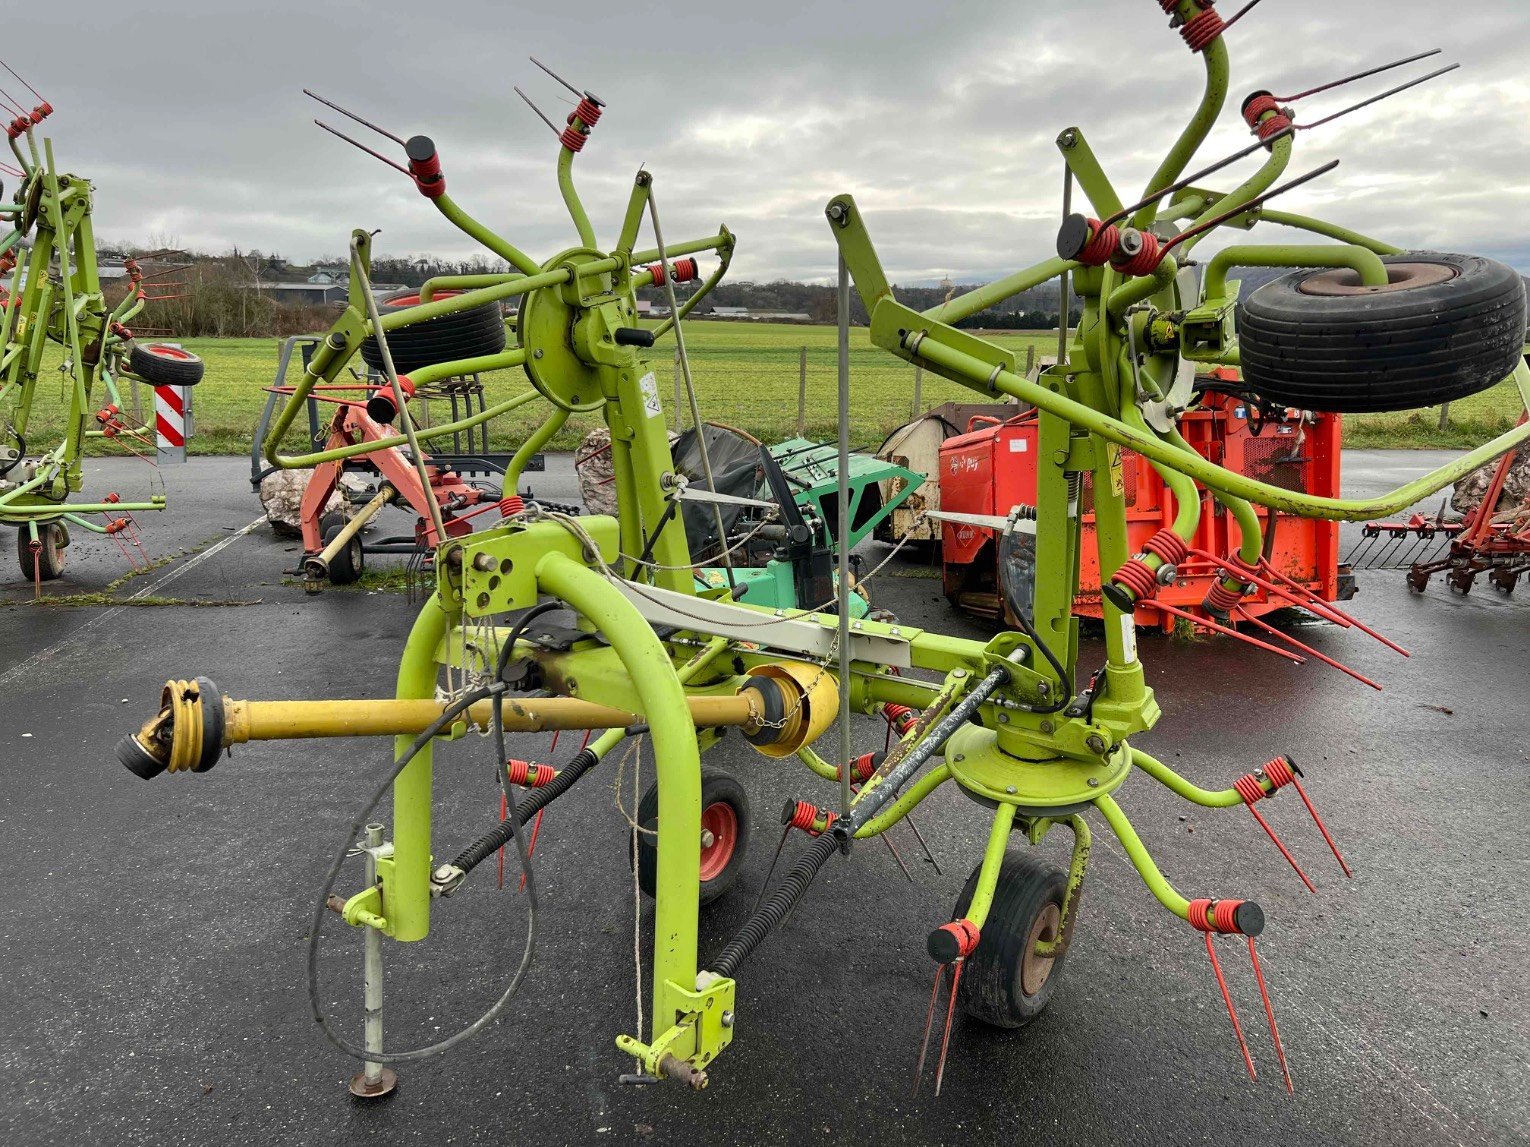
(170,423)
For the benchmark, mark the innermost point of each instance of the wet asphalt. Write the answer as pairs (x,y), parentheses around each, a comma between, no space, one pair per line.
(152,958)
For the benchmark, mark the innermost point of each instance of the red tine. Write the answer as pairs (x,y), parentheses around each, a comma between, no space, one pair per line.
(1269,1014)
(1284,851)
(929,1023)
(1231,1013)
(945,1041)
(1322,828)
(1307,649)
(1207,623)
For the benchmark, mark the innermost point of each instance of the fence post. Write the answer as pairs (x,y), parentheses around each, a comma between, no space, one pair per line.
(1444,417)
(918,391)
(1030,359)
(802,393)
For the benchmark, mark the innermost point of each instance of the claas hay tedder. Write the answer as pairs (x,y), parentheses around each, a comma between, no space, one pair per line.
(1039,741)
(55,296)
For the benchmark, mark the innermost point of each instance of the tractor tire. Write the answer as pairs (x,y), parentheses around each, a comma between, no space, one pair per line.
(48,563)
(1004,984)
(165,365)
(1447,326)
(351,562)
(724,815)
(476,331)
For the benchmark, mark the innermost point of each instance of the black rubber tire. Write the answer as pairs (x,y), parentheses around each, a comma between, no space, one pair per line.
(992,988)
(1417,343)
(717,788)
(476,331)
(165,365)
(351,562)
(49,563)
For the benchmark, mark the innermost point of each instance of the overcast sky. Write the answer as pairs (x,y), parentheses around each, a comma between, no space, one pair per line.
(941,119)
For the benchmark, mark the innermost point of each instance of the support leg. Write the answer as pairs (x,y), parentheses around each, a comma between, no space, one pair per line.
(375,1080)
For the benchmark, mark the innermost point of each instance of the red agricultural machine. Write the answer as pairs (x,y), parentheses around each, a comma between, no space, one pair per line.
(1492,538)
(991,467)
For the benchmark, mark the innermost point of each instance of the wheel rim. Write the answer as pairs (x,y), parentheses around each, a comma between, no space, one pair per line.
(1342,281)
(414,300)
(1034,969)
(160,351)
(721,821)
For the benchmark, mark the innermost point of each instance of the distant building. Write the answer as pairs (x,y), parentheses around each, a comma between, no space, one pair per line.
(747,314)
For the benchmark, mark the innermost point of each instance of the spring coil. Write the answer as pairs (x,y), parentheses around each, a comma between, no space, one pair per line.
(1145,261)
(588,112)
(1258,104)
(1215,916)
(529,774)
(1168,547)
(1222,599)
(1137,579)
(512,505)
(862,768)
(686,270)
(1200,32)
(804,816)
(1102,244)
(660,276)
(900,717)
(573,139)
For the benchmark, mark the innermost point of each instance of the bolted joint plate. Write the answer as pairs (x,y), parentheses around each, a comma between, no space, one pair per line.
(701,1032)
(506,578)
(1062,784)
(567,331)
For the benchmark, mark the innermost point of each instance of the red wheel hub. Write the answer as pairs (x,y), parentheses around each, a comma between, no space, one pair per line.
(415,300)
(721,822)
(161,351)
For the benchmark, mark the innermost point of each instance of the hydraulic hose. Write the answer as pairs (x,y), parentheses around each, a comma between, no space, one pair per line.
(499,836)
(770,914)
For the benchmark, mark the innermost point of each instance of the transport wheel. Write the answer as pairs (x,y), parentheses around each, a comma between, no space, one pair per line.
(49,563)
(1005,983)
(165,365)
(725,825)
(1445,327)
(351,562)
(476,331)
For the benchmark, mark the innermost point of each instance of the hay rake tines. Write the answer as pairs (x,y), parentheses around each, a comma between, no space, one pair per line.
(1400,545)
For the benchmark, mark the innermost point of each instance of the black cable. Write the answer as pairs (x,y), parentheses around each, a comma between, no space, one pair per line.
(517,631)
(448,715)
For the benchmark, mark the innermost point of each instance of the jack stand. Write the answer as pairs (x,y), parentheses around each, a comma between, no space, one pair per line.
(375,1080)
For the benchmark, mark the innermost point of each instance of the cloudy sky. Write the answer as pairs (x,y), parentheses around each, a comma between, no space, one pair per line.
(940,118)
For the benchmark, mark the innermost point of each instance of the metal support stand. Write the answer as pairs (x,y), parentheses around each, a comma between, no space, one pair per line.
(844,537)
(375,1080)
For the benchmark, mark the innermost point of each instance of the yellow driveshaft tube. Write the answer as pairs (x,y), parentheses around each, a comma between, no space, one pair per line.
(196,722)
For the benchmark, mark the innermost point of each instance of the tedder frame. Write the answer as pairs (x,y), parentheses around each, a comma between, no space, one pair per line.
(54,294)
(1015,721)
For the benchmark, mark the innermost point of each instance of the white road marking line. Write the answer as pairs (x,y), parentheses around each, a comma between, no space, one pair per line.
(75,638)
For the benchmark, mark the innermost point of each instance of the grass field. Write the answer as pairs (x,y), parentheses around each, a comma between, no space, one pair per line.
(747,376)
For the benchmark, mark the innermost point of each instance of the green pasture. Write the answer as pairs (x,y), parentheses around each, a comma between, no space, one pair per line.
(747,376)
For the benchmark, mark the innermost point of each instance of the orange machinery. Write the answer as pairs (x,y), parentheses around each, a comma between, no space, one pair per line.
(991,469)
